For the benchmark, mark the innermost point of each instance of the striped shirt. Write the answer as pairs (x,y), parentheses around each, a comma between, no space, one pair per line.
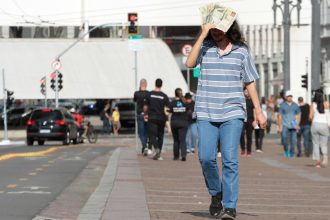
(220,95)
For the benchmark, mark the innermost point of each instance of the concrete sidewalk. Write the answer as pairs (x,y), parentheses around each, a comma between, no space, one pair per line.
(136,187)
(271,187)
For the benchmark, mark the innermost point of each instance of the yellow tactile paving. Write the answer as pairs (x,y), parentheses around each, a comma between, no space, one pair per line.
(11,186)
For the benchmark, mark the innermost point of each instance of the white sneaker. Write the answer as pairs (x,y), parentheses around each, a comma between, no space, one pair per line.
(149,152)
(188,151)
(219,154)
(259,151)
(325,160)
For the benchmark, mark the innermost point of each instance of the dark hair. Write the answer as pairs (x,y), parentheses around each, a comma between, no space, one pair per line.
(300,99)
(178,93)
(159,83)
(234,35)
(263,100)
(318,99)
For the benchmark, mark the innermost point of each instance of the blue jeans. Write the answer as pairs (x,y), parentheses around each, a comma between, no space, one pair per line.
(192,136)
(229,135)
(106,126)
(142,130)
(305,132)
(291,134)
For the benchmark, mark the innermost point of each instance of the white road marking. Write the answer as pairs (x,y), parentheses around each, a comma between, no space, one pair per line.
(30,192)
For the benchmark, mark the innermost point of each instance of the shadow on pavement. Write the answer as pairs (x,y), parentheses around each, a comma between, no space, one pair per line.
(200,214)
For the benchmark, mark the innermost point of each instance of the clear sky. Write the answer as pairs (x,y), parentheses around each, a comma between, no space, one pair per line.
(151,12)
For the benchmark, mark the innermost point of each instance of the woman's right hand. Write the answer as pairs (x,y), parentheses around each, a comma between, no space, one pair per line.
(206,29)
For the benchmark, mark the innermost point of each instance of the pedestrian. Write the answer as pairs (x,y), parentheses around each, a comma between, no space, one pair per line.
(288,123)
(270,116)
(259,132)
(305,128)
(192,133)
(248,126)
(116,121)
(106,118)
(140,99)
(157,103)
(220,107)
(179,125)
(319,115)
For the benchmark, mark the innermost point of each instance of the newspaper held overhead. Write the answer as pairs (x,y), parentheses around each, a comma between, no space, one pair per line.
(218,15)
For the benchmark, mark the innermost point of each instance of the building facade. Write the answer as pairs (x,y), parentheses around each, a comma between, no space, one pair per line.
(325,45)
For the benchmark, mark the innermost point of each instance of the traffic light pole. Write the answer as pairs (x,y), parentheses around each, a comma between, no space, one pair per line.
(45,91)
(5,131)
(309,83)
(286,12)
(56,88)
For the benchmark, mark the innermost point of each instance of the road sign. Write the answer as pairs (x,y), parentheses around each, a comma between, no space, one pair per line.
(186,49)
(135,42)
(196,72)
(56,65)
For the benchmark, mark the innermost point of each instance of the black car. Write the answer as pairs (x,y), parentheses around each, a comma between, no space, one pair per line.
(51,124)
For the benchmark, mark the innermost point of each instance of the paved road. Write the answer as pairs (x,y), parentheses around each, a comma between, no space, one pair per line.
(271,186)
(32,177)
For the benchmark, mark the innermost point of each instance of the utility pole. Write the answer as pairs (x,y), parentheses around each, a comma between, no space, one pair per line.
(286,7)
(5,130)
(316,44)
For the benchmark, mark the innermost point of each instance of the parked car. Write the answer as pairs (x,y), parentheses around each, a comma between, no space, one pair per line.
(13,116)
(51,124)
(127,113)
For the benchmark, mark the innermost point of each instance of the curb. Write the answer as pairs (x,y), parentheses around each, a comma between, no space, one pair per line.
(96,203)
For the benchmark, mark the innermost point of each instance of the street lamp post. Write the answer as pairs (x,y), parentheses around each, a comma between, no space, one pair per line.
(286,7)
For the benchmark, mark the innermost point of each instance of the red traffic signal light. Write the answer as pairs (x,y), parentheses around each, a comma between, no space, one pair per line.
(132,19)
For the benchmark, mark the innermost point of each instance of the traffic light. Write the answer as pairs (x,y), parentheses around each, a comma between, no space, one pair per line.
(43,85)
(304,81)
(10,98)
(52,84)
(132,27)
(59,81)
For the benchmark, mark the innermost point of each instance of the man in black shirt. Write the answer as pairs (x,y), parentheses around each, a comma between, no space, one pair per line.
(248,126)
(157,102)
(304,128)
(179,125)
(140,99)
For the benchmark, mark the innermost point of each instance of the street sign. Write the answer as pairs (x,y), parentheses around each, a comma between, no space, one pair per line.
(135,42)
(56,65)
(186,49)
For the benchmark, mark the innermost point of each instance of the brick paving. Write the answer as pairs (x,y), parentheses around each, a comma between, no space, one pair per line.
(271,187)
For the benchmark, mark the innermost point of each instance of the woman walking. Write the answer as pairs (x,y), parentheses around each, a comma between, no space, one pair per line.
(319,113)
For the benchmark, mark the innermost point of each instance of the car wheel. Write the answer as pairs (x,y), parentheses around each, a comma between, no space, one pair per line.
(40,143)
(66,139)
(29,141)
(76,140)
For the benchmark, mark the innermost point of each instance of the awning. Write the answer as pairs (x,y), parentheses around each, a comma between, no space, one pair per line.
(101,68)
